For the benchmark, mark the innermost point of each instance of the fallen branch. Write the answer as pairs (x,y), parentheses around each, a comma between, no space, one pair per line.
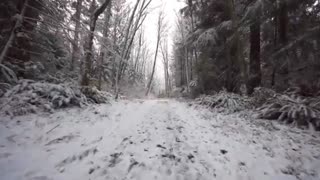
(53,128)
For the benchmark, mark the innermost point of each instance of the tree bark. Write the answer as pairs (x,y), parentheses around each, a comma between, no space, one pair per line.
(153,68)
(88,45)
(103,51)
(255,65)
(283,22)
(75,45)
(283,38)
(165,56)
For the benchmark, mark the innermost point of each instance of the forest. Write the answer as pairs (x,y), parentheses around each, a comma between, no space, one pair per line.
(160,89)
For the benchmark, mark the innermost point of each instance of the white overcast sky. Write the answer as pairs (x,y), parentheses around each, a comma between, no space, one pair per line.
(170,8)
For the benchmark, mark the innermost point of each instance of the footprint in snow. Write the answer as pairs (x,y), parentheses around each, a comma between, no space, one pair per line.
(64,139)
(133,163)
(115,159)
(242,166)
(79,157)
(178,140)
(191,157)
(11,138)
(223,151)
(160,146)
(93,169)
(169,128)
(171,157)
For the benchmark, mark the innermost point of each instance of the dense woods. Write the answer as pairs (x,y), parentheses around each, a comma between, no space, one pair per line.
(233,44)
(160,89)
(265,50)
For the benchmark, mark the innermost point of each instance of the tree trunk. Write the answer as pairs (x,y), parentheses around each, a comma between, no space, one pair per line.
(138,53)
(75,45)
(283,39)
(88,45)
(182,71)
(187,68)
(154,67)
(123,51)
(159,33)
(165,56)
(254,66)
(283,22)
(103,51)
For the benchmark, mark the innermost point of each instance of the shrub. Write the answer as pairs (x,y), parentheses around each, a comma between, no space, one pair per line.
(29,97)
(225,101)
(297,110)
(261,95)
(95,96)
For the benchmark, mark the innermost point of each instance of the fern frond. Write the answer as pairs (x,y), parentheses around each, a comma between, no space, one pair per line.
(291,109)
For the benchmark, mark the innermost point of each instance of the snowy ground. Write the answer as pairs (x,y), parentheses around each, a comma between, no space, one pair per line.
(154,139)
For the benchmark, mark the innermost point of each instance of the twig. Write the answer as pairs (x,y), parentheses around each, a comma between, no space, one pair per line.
(53,128)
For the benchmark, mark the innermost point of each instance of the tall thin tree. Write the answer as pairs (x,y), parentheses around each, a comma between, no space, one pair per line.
(75,43)
(255,64)
(160,30)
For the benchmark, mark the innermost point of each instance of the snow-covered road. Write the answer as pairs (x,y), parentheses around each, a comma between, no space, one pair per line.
(154,139)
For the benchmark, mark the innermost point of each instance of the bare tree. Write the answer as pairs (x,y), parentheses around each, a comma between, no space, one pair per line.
(160,30)
(139,44)
(139,55)
(142,14)
(137,17)
(165,59)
